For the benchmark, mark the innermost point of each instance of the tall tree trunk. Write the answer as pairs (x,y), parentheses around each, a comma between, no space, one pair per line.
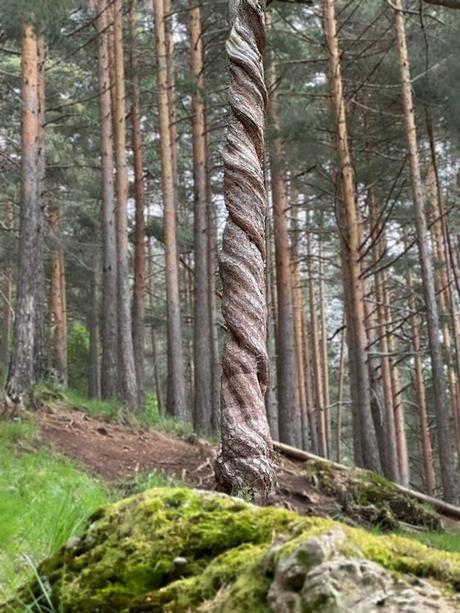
(21,374)
(297,305)
(244,464)
(153,340)
(390,465)
(365,441)
(170,46)
(7,311)
(271,400)
(40,366)
(439,385)
(312,422)
(429,476)
(316,354)
(202,349)
(57,316)
(109,368)
(139,232)
(340,390)
(94,388)
(288,406)
(442,286)
(175,403)
(324,347)
(212,303)
(125,340)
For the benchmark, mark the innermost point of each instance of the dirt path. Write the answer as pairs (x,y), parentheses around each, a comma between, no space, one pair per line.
(117,453)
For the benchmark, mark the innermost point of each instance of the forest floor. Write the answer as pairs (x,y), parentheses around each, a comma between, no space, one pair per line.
(62,461)
(120,453)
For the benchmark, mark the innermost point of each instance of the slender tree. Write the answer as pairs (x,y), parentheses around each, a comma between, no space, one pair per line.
(202,323)
(365,441)
(57,302)
(21,375)
(125,340)
(288,406)
(109,367)
(426,265)
(139,191)
(175,402)
(245,464)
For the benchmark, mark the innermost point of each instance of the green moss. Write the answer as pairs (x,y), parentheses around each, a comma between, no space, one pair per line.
(370,497)
(179,550)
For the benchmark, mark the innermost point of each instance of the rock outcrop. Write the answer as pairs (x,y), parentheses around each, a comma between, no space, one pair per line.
(178,550)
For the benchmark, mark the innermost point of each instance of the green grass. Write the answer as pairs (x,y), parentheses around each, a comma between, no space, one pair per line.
(113,410)
(110,409)
(44,500)
(446,541)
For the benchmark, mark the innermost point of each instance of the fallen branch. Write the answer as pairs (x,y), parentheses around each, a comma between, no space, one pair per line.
(444,508)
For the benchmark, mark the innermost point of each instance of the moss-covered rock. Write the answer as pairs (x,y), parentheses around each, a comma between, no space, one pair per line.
(368,497)
(178,550)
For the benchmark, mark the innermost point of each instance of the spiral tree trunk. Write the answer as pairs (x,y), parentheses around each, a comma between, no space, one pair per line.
(244,464)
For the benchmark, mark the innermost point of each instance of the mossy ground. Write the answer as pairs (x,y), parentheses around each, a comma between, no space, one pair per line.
(174,549)
(370,498)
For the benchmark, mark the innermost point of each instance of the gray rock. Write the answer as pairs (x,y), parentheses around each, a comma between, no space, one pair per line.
(317,578)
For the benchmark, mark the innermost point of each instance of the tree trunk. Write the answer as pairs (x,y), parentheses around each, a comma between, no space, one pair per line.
(365,442)
(202,350)
(21,374)
(153,340)
(340,390)
(139,231)
(390,465)
(125,340)
(439,385)
(429,476)
(288,407)
(57,316)
(245,464)
(40,365)
(94,388)
(315,355)
(297,305)
(324,348)
(212,302)
(175,403)
(7,310)
(109,368)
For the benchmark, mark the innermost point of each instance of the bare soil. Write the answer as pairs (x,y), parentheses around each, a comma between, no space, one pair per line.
(119,453)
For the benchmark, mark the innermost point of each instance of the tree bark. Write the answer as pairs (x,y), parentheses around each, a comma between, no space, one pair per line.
(7,298)
(40,360)
(288,406)
(21,375)
(57,316)
(427,448)
(390,465)
(244,463)
(109,368)
(324,347)
(202,350)
(128,378)
(439,385)
(138,322)
(365,442)
(175,403)
(94,387)
(316,355)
